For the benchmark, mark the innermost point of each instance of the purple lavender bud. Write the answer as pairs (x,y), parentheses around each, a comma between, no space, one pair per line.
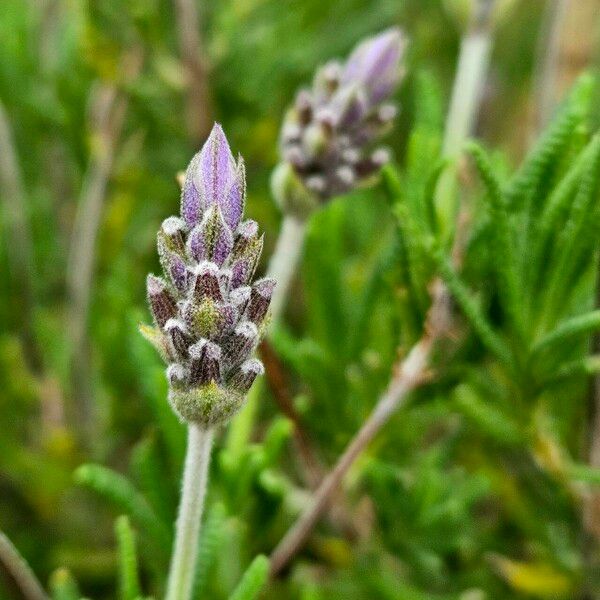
(241,343)
(243,267)
(332,127)
(260,299)
(176,375)
(209,256)
(174,267)
(172,235)
(247,234)
(217,238)
(205,365)
(374,63)
(162,303)
(214,178)
(179,337)
(206,284)
(246,374)
(240,298)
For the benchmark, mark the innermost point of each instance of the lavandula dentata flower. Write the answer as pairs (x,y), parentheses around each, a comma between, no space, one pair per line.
(328,142)
(208,314)
(208,318)
(329,135)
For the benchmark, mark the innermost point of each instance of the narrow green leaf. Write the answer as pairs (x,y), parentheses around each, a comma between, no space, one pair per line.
(412,235)
(577,326)
(574,236)
(129,585)
(471,309)
(504,258)
(389,256)
(211,538)
(488,418)
(556,209)
(253,580)
(552,143)
(277,435)
(428,104)
(587,366)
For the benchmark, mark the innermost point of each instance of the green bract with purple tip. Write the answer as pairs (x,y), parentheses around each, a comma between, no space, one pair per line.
(328,135)
(208,315)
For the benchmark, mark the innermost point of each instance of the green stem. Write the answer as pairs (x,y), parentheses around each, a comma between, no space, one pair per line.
(465,102)
(195,476)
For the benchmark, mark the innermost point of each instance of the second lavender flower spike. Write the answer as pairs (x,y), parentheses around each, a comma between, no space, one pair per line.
(328,135)
(208,314)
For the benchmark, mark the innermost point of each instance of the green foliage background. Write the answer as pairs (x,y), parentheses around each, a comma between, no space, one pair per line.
(474,490)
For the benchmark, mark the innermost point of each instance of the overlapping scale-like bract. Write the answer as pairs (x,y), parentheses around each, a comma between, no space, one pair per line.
(328,134)
(208,314)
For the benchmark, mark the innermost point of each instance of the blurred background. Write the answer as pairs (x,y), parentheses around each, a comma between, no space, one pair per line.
(102,103)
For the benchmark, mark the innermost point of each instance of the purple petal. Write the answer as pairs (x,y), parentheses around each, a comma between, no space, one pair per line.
(206,284)
(240,344)
(239,273)
(162,303)
(216,168)
(178,272)
(191,202)
(244,377)
(233,206)
(374,64)
(350,106)
(260,299)
(205,363)
(196,244)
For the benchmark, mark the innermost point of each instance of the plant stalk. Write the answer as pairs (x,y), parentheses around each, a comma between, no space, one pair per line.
(195,477)
(465,102)
(284,262)
(409,374)
(19,571)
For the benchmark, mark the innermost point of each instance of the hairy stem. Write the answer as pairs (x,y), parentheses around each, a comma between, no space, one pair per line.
(19,571)
(195,477)
(408,375)
(284,262)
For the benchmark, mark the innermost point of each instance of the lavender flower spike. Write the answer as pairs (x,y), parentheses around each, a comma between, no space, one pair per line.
(328,135)
(208,315)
